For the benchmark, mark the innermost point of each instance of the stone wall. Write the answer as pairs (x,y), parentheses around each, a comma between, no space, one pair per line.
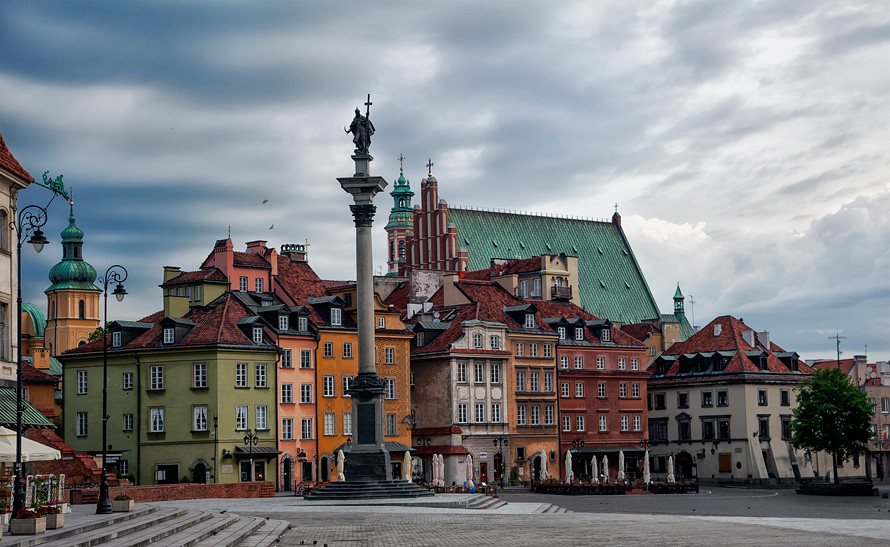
(166,492)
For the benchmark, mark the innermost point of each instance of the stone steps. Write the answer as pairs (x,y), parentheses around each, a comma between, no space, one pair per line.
(160,527)
(350,490)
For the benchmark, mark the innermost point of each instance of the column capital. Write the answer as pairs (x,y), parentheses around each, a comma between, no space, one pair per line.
(363,214)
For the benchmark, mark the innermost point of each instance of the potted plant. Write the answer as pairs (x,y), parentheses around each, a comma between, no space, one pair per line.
(122,503)
(27,521)
(4,516)
(54,516)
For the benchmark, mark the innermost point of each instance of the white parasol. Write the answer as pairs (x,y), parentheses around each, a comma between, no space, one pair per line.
(470,471)
(606,468)
(406,466)
(441,464)
(594,472)
(620,465)
(544,473)
(570,475)
(646,475)
(32,451)
(670,477)
(434,464)
(341,461)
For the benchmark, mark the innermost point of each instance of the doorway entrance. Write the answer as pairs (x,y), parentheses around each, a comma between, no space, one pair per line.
(306,471)
(483,472)
(325,471)
(684,465)
(287,479)
(536,471)
(167,473)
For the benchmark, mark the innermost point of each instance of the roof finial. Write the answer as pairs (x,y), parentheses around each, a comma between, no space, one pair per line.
(401,162)
(616,206)
(230,231)
(429,167)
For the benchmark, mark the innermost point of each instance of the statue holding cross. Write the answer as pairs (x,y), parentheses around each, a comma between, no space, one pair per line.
(362,129)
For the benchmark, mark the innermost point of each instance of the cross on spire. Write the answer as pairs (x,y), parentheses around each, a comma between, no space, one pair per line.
(368,105)
(616,206)
(429,167)
(401,162)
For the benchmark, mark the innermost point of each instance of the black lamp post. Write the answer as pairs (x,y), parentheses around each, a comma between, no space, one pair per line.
(577,445)
(251,440)
(500,442)
(115,274)
(31,218)
(424,443)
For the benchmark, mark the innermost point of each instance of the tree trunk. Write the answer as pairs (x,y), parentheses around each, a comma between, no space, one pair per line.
(834,466)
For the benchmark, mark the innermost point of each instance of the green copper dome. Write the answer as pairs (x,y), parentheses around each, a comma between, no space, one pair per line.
(72,272)
(402,214)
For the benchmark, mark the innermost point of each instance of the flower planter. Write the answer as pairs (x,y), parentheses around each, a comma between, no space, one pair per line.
(65,507)
(121,506)
(54,521)
(4,518)
(28,526)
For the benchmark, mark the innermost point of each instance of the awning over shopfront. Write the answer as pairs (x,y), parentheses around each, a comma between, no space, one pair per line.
(258,453)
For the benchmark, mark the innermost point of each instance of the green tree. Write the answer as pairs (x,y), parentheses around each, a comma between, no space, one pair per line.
(832,415)
(99,332)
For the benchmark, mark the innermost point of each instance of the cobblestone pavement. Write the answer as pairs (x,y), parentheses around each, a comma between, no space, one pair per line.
(716,501)
(359,528)
(519,524)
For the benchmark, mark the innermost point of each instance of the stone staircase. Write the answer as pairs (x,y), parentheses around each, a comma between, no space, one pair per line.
(354,490)
(162,527)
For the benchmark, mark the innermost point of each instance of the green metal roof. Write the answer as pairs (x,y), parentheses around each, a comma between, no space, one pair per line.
(31,417)
(37,318)
(402,213)
(612,285)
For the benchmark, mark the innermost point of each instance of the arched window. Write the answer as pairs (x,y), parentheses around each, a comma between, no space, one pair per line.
(4,231)
(81,310)
(392,251)
(401,249)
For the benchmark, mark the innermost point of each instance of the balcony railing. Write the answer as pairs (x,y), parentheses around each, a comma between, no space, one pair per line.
(561,292)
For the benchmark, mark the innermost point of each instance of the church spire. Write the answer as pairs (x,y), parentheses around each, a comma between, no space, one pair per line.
(72,272)
(679,307)
(401,218)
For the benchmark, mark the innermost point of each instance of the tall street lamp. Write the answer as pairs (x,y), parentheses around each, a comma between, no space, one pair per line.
(31,219)
(115,274)
(500,442)
(251,440)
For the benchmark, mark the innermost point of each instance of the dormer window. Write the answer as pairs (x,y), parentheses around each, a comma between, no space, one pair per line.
(477,341)
(381,322)
(283,323)
(529,320)
(116,339)
(168,335)
(606,335)
(303,323)
(259,284)
(536,287)
(336,317)
(579,333)
(258,335)
(523,289)
(562,332)
(495,341)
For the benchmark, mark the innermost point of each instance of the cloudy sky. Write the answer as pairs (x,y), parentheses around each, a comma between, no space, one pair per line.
(744,142)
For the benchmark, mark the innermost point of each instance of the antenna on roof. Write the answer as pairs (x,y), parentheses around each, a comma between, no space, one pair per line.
(692,307)
(838,339)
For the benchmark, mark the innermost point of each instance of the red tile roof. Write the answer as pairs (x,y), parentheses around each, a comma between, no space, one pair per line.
(523,265)
(640,331)
(730,339)
(478,275)
(209,274)
(32,374)
(8,162)
(549,308)
(845,364)
(399,297)
(250,260)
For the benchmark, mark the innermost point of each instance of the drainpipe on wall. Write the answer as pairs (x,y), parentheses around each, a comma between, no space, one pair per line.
(138,418)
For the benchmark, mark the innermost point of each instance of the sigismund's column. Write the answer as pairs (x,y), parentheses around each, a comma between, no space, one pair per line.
(368,460)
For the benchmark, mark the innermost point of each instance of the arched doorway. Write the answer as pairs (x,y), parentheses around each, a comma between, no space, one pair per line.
(536,472)
(325,470)
(287,474)
(199,472)
(684,466)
